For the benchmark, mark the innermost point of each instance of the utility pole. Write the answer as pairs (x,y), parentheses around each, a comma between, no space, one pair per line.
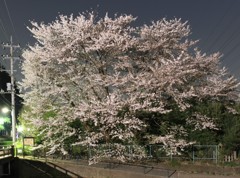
(11,88)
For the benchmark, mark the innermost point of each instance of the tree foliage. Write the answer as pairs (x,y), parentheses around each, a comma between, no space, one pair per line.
(103,81)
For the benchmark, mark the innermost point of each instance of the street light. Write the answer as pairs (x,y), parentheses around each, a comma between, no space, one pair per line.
(5,110)
(20,128)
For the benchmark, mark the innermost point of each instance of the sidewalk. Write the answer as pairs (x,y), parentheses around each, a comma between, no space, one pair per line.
(103,170)
(186,175)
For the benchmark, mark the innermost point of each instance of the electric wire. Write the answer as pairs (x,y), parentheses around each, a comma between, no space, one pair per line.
(13,28)
(213,30)
(3,62)
(218,37)
(5,100)
(5,35)
(3,29)
(11,21)
(230,45)
(230,39)
(231,50)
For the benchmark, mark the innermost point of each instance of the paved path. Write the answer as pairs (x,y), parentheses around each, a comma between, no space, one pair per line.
(185,175)
(80,166)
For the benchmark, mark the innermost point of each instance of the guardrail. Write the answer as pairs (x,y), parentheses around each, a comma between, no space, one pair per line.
(6,151)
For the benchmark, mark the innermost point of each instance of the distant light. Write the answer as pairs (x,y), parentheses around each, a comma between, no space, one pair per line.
(5,110)
(20,128)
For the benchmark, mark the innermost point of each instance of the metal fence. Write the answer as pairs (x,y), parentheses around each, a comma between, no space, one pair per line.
(6,151)
(155,153)
(205,152)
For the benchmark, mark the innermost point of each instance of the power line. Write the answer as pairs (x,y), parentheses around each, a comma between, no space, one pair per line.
(218,24)
(5,35)
(3,63)
(230,22)
(230,39)
(11,21)
(3,29)
(229,45)
(231,50)
(5,100)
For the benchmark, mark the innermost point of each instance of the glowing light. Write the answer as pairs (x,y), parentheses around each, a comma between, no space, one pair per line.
(20,128)
(5,110)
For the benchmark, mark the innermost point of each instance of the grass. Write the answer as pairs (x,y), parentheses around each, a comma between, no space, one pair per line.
(4,140)
(232,164)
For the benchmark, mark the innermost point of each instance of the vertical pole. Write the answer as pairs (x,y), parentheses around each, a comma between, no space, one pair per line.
(89,152)
(216,154)
(12,95)
(171,155)
(23,147)
(193,153)
(150,151)
(12,91)
(12,150)
(9,168)
(45,154)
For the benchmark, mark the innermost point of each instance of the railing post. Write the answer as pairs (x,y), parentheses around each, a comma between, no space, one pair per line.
(150,151)
(12,150)
(193,154)
(45,154)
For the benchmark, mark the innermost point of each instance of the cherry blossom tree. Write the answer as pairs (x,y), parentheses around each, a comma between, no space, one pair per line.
(101,72)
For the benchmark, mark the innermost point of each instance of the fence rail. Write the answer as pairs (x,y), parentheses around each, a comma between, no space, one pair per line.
(6,151)
(209,153)
(205,152)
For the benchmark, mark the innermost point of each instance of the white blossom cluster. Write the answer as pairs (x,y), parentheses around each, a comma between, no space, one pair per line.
(102,71)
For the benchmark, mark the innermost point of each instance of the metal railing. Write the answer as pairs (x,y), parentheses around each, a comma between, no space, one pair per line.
(205,152)
(6,151)
(153,153)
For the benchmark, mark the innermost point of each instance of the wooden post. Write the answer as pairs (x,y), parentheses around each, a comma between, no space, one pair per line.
(229,158)
(23,148)
(234,155)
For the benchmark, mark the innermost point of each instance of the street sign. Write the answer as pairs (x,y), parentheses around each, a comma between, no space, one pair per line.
(28,141)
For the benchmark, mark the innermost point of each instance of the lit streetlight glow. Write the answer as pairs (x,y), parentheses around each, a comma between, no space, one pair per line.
(5,110)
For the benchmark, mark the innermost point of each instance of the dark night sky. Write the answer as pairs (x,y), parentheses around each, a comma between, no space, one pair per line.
(215,23)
